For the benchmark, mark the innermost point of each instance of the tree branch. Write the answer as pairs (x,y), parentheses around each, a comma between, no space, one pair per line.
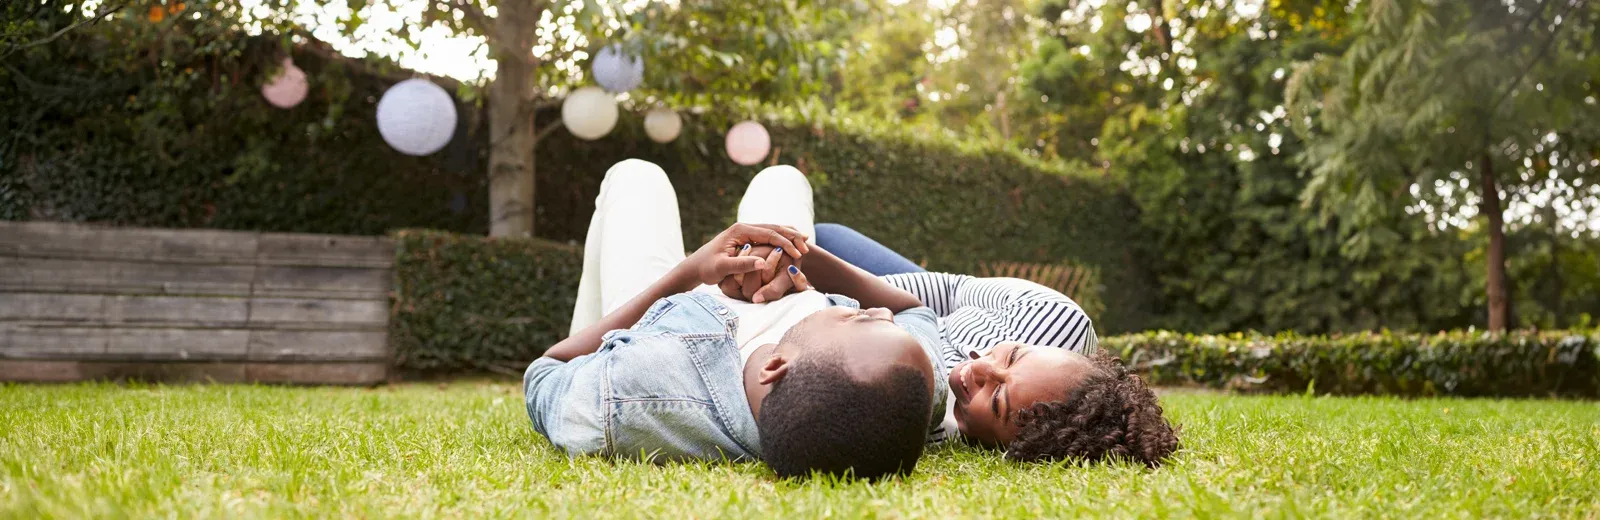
(470,9)
(99,15)
(546,104)
(545,132)
(322,49)
(1555,34)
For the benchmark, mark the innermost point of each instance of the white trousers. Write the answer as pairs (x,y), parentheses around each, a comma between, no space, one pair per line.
(635,236)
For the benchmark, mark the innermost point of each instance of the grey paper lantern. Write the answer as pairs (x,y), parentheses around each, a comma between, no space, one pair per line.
(416,117)
(617,71)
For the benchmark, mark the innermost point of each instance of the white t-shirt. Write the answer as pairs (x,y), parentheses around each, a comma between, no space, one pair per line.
(763,323)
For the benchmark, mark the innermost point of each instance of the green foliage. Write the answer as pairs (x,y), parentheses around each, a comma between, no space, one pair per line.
(1412,115)
(468,303)
(1472,364)
(465,450)
(1188,112)
(947,67)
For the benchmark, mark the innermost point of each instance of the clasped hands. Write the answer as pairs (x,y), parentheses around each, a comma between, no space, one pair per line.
(753,262)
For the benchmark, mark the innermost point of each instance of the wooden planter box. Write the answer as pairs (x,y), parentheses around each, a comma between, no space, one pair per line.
(91,302)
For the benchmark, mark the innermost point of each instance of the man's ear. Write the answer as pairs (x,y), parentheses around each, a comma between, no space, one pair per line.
(776,367)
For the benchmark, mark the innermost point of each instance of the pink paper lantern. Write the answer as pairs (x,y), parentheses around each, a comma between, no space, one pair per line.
(288,88)
(748,143)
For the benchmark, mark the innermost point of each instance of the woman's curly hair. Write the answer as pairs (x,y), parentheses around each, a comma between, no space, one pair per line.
(1110,415)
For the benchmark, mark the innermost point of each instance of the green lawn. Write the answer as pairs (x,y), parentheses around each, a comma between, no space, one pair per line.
(466,449)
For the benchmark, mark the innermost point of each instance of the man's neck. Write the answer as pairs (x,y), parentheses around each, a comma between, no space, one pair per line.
(754,391)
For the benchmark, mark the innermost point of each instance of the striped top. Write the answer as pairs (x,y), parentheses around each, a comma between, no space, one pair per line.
(975,314)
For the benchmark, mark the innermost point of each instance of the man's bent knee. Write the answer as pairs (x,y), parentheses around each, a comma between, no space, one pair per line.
(779,172)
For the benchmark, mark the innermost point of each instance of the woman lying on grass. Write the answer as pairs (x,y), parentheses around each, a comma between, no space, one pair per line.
(1025,370)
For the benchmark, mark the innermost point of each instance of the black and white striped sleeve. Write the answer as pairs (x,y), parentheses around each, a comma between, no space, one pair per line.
(991,310)
(937,291)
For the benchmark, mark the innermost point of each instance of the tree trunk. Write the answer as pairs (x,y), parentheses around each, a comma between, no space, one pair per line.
(1499,308)
(511,132)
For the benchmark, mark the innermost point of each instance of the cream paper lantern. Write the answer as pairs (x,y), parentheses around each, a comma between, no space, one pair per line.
(662,125)
(416,117)
(616,71)
(748,143)
(589,113)
(288,88)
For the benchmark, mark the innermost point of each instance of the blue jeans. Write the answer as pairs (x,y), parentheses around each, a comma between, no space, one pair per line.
(852,246)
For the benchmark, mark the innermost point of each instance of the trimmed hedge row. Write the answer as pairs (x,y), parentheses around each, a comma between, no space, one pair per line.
(471,303)
(1469,363)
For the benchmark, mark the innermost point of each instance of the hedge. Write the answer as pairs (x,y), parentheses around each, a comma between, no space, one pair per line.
(471,303)
(1462,363)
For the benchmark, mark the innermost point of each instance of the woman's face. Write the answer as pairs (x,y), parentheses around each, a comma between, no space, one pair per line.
(992,388)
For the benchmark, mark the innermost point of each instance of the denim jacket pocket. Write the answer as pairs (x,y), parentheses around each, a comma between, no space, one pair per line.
(660,308)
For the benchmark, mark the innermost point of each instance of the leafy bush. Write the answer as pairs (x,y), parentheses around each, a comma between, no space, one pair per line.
(470,303)
(1527,363)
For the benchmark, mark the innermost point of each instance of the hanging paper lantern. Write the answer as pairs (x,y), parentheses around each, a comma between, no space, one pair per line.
(616,71)
(416,117)
(662,125)
(589,113)
(288,88)
(748,143)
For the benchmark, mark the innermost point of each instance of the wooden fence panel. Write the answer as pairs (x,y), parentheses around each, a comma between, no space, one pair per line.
(90,302)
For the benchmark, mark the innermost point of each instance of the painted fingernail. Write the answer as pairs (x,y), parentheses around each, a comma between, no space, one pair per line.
(745,248)
(777,250)
(794,270)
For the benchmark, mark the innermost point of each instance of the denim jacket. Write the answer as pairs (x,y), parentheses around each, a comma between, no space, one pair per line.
(671,388)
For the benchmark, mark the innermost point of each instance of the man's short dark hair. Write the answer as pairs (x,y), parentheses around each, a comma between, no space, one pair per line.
(818,419)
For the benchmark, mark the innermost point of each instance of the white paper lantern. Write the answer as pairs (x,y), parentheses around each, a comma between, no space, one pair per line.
(662,125)
(288,88)
(416,117)
(748,143)
(589,113)
(616,71)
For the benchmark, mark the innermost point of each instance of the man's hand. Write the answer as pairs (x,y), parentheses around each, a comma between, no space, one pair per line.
(720,257)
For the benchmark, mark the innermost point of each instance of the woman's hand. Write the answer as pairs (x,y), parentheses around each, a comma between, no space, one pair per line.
(720,257)
(781,276)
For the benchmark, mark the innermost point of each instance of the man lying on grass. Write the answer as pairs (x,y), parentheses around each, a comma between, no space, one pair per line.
(662,367)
